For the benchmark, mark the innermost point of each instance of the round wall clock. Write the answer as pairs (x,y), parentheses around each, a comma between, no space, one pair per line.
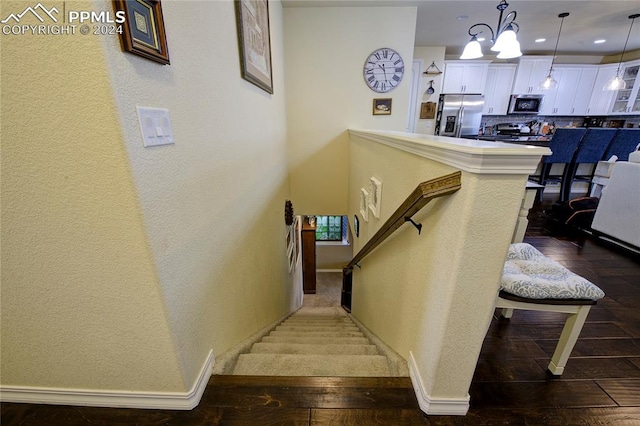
(383,70)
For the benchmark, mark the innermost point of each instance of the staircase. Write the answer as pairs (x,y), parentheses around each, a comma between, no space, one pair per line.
(315,341)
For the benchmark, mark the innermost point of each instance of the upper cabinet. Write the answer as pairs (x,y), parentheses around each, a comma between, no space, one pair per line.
(571,95)
(601,100)
(465,77)
(531,71)
(498,89)
(627,100)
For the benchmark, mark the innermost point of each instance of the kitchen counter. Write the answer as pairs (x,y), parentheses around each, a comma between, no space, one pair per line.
(525,139)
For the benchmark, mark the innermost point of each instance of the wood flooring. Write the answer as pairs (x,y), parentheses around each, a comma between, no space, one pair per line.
(511,386)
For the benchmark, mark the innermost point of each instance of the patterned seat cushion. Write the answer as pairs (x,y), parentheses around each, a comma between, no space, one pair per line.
(528,273)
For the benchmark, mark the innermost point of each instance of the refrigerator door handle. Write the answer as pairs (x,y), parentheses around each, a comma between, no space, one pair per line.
(459,123)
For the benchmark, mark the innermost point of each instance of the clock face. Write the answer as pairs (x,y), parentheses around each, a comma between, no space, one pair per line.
(383,70)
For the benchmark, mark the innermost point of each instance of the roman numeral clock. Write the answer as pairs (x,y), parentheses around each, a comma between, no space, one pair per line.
(383,70)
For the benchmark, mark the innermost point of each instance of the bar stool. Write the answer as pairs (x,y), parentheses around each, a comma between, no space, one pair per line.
(624,143)
(591,150)
(563,145)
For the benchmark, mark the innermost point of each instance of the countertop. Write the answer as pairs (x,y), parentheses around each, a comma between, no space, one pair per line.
(524,139)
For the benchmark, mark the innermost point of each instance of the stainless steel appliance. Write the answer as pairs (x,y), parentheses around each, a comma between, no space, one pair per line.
(459,115)
(525,104)
(509,128)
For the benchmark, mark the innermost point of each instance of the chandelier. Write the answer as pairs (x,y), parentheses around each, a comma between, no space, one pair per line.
(504,38)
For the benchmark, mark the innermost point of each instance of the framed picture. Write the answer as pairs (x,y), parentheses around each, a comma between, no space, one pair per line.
(382,106)
(375,188)
(364,204)
(143,30)
(356,225)
(428,110)
(254,41)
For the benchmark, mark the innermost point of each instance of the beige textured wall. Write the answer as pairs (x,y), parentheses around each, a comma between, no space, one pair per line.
(81,306)
(325,50)
(122,266)
(212,203)
(431,294)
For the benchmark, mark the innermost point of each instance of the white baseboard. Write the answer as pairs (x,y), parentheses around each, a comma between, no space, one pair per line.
(113,399)
(431,405)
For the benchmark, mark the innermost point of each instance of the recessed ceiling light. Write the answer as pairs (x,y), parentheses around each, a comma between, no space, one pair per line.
(462,17)
(540,40)
(599,41)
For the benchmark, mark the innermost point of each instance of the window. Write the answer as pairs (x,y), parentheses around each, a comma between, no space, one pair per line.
(330,228)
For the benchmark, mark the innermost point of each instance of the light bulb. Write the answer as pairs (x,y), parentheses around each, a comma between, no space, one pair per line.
(616,83)
(472,50)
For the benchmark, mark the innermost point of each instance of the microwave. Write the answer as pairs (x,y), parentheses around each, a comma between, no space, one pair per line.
(525,104)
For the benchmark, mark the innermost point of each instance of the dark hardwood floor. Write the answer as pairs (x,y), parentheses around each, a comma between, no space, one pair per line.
(511,386)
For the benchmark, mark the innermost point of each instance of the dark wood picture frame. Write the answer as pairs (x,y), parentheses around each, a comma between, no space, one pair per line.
(143,30)
(254,41)
(382,106)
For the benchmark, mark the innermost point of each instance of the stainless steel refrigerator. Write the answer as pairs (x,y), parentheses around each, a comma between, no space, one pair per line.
(459,115)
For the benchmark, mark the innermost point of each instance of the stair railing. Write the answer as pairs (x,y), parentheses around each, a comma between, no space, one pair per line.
(420,197)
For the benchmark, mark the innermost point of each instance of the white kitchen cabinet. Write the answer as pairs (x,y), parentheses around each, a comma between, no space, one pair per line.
(571,95)
(531,71)
(627,100)
(497,91)
(601,100)
(464,77)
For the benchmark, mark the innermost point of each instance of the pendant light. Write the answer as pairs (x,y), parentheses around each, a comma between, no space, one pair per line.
(503,38)
(617,83)
(549,82)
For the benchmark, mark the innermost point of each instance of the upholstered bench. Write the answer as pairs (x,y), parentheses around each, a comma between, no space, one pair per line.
(532,281)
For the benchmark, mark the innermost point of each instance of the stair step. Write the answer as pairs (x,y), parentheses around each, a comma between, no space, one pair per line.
(302,328)
(309,348)
(317,340)
(312,365)
(277,333)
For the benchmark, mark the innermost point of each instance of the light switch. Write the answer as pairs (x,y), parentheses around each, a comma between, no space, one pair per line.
(155,126)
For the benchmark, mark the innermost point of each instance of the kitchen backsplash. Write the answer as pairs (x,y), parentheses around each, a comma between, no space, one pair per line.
(560,121)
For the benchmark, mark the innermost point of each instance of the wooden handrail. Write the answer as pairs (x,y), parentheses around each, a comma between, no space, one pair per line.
(424,192)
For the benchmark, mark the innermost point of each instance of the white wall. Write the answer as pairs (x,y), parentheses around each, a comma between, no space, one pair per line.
(428,55)
(325,50)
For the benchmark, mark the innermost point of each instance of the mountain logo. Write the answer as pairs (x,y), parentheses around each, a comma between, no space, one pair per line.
(38,11)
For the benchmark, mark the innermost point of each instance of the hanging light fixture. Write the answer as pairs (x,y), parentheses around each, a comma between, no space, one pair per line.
(617,83)
(503,38)
(549,82)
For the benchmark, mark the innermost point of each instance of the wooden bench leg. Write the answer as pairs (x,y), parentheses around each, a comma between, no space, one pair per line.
(507,312)
(568,338)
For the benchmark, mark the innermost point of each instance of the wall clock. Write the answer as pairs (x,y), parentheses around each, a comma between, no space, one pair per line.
(383,70)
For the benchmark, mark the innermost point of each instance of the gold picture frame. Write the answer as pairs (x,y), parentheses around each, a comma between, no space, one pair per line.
(143,30)
(382,106)
(254,41)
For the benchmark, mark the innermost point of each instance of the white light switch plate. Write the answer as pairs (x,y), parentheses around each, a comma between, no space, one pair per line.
(155,126)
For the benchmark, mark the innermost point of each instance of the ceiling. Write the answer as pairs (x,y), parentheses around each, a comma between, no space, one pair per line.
(441,23)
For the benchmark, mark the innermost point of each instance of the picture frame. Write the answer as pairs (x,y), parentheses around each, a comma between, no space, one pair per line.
(364,204)
(375,189)
(382,106)
(143,30)
(356,225)
(254,42)
(427,110)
